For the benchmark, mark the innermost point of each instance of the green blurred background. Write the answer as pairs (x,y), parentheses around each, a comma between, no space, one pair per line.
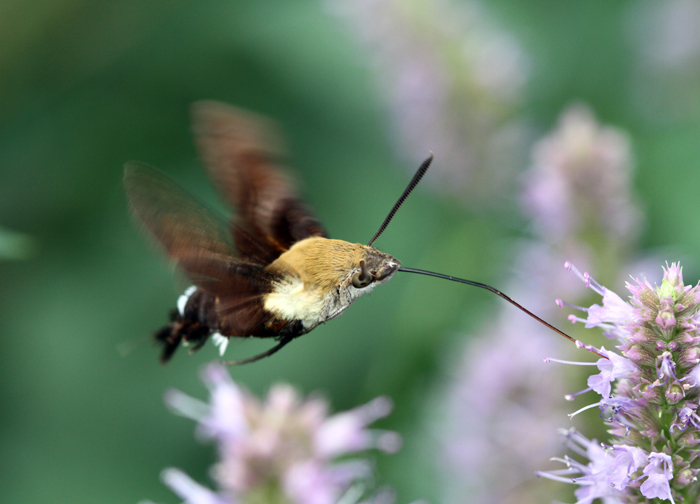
(86,86)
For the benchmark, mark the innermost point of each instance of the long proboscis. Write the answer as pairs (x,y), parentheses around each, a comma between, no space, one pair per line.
(411,186)
(500,294)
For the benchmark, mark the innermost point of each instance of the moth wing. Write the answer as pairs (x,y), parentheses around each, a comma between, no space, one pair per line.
(196,237)
(242,153)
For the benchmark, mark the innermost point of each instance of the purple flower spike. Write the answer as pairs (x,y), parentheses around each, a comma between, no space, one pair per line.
(452,81)
(578,193)
(650,390)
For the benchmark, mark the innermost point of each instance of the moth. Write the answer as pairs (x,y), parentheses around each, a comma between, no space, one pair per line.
(272,271)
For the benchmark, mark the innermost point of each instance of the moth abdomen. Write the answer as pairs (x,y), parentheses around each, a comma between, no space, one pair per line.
(200,315)
(191,323)
(180,331)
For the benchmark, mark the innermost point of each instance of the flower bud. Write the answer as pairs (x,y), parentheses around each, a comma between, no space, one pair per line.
(688,440)
(666,320)
(675,393)
(643,335)
(649,393)
(689,357)
(672,283)
(685,477)
(639,355)
(686,337)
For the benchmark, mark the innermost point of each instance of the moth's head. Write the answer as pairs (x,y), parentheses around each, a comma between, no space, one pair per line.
(372,268)
(368,269)
(336,265)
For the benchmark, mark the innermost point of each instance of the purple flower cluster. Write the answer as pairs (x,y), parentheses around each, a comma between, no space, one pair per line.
(453,81)
(580,182)
(649,395)
(581,175)
(281,450)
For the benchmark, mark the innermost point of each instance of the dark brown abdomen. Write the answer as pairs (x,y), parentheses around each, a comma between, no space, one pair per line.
(202,316)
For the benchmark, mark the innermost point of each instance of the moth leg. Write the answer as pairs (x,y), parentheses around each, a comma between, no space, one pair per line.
(274,349)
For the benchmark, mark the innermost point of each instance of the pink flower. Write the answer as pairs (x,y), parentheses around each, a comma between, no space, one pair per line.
(613,311)
(599,478)
(627,460)
(283,447)
(612,368)
(659,472)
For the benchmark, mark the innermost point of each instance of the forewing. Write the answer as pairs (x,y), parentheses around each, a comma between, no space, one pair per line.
(242,153)
(193,235)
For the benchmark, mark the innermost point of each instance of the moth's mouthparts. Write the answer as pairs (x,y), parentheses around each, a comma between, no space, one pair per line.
(500,294)
(387,270)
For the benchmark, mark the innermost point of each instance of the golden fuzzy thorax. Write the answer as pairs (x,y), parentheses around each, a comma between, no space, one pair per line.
(317,283)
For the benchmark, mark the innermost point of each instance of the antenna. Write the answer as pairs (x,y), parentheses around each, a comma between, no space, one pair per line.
(498,293)
(411,186)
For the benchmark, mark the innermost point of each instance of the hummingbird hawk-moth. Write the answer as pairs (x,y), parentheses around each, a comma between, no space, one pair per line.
(272,271)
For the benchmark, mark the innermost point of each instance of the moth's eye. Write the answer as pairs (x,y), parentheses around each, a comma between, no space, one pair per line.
(362,278)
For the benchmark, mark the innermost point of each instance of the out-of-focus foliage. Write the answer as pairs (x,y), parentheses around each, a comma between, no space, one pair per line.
(86,86)
(15,245)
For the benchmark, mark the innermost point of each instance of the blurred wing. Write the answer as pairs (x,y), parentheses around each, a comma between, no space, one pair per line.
(196,237)
(241,152)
